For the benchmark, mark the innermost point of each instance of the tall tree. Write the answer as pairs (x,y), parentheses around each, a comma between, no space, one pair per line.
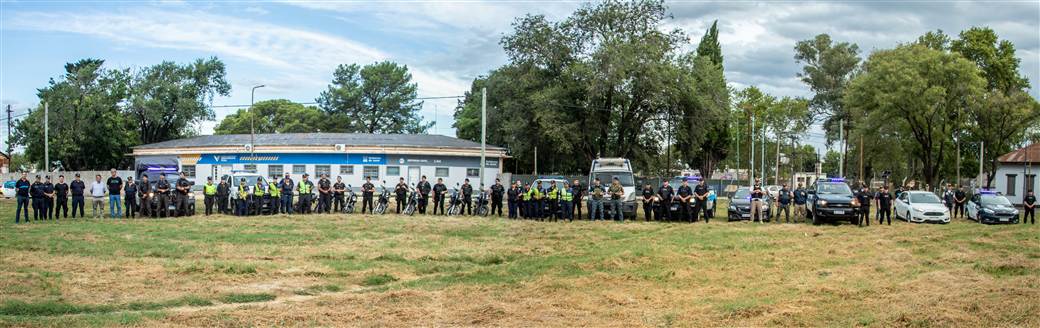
(709,46)
(829,66)
(87,127)
(167,100)
(996,58)
(376,98)
(274,116)
(924,90)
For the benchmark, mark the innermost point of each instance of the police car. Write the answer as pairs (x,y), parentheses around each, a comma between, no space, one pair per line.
(830,199)
(920,206)
(990,207)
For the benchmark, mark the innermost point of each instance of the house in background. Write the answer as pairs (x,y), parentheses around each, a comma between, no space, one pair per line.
(1017,171)
(5,163)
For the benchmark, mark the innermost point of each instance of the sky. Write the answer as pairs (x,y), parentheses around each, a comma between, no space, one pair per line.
(292,47)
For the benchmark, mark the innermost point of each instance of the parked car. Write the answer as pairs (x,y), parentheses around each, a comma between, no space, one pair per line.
(235,178)
(740,206)
(606,169)
(830,199)
(8,190)
(989,207)
(921,206)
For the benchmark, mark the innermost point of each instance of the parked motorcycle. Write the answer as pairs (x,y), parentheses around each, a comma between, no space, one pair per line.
(384,200)
(482,203)
(455,202)
(413,202)
(350,201)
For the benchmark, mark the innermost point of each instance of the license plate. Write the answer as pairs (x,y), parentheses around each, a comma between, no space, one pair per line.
(1003,219)
(839,212)
(745,215)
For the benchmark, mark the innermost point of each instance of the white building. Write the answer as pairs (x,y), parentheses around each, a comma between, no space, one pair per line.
(352,156)
(1016,173)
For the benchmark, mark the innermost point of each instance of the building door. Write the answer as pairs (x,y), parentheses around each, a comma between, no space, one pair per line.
(414,174)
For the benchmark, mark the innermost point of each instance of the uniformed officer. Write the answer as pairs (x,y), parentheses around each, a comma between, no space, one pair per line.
(61,197)
(23,190)
(685,194)
(339,190)
(48,198)
(553,200)
(209,194)
(223,191)
(800,196)
(130,201)
(864,206)
(521,202)
(512,199)
(274,198)
(884,205)
(144,190)
(596,192)
(259,193)
(566,202)
(757,197)
(76,188)
(324,194)
(424,189)
(306,189)
(948,199)
(367,190)
(1029,208)
(664,202)
(700,201)
(535,204)
(401,190)
(783,204)
(36,191)
(467,196)
(183,188)
(439,192)
(242,206)
(616,194)
(959,198)
(162,188)
(497,191)
(579,196)
(648,201)
(288,186)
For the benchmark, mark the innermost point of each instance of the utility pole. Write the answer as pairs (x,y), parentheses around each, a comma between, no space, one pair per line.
(46,139)
(762,150)
(861,177)
(483,133)
(982,150)
(776,179)
(841,138)
(10,146)
(536,161)
(252,130)
(958,161)
(751,159)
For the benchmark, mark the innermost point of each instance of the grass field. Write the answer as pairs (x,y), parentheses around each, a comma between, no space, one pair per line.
(333,270)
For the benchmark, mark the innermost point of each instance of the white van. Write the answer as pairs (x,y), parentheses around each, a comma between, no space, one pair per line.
(606,169)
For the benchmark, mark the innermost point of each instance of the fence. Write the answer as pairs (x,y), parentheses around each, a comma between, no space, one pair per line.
(69,175)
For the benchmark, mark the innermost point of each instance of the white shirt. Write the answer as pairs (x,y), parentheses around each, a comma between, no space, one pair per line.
(97,189)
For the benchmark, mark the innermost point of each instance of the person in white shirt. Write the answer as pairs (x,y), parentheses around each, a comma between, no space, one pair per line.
(97,193)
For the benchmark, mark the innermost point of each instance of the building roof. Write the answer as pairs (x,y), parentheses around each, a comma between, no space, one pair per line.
(1027,154)
(323,139)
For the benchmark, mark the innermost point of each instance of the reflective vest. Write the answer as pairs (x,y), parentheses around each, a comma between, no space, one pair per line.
(554,193)
(258,190)
(273,188)
(525,196)
(305,188)
(210,189)
(536,193)
(566,195)
(242,192)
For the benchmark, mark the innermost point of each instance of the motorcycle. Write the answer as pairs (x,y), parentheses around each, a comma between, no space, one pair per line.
(351,200)
(455,202)
(482,203)
(413,202)
(384,200)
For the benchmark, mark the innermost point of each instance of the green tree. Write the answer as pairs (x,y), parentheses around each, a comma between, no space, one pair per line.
(87,129)
(706,123)
(922,89)
(996,58)
(830,163)
(1001,122)
(829,66)
(274,116)
(376,98)
(167,100)
(709,46)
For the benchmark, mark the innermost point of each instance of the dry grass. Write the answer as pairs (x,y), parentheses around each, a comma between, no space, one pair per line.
(334,270)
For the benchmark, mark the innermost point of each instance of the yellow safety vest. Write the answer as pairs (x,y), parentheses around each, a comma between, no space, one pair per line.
(566,195)
(275,191)
(554,193)
(210,189)
(305,188)
(242,193)
(258,191)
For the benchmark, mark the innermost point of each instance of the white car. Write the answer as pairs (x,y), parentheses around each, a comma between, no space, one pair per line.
(773,191)
(921,206)
(8,190)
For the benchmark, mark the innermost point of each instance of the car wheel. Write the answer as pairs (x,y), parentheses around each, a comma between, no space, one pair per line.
(908,217)
(815,218)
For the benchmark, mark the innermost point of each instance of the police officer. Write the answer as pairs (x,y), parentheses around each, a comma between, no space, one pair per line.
(523,207)
(439,191)
(596,192)
(209,194)
(48,198)
(162,188)
(566,202)
(700,201)
(948,199)
(306,189)
(616,194)
(648,201)
(130,202)
(223,191)
(959,198)
(324,194)
(497,191)
(424,194)
(288,186)
(467,196)
(757,196)
(512,199)
(884,205)
(144,189)
(274,198)
(22,193)
(1029,208)
(183,188)
(579,196)
(367,190)
(800,197)
(36,191)
(76,188)
(259,193)
(339,189)
(536,204)
(664,202)
(685,194)
(61,194)
(864,206)
(553,199)
(242,206)
(783,204)
(401,190)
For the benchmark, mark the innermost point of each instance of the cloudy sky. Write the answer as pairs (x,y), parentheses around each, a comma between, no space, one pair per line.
(292,47)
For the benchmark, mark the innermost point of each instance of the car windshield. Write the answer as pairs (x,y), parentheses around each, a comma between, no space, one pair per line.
(742,194)
(624,177)
(250,179)
(677,181)
(925,198)
(834,188)
(9,184)
(995,200)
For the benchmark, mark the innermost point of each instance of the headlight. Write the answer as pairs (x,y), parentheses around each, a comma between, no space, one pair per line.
(765,207)
(917,209)
(151,194)
(732,208)
(855,203)
(821,203)
(987,211)
(1014,212)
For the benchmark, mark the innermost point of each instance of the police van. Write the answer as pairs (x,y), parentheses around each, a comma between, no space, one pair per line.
(235,178)
(606,169)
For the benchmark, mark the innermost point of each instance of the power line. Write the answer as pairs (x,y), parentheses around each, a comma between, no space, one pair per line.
(315,103)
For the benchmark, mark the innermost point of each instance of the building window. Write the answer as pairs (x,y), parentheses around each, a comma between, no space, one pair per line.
(440,172)
(393,171)
(189,170)
(470,173)
(346,170)
(322,169)
(274,171)
(371,172)
(1011,179)
(250,168)
(299,169)
(1030,182)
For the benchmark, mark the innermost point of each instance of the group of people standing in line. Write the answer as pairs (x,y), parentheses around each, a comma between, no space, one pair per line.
(50,201)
